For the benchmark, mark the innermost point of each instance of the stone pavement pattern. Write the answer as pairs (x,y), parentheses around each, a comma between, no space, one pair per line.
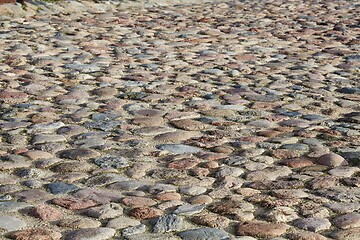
(234,120)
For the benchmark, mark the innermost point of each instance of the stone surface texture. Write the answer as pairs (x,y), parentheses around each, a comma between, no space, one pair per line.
(180,119)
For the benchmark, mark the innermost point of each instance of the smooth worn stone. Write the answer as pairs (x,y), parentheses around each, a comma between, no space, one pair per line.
(289,193)
(46,213)
(32,195)
(332,160)
(178,148)
(193,190)
(343,207)
(297,162)
(102,196)
(177,136)
(271,173)
(134,230)
(42,138)
(211,220)
(111,162)
(70,167)
(130,185)
(347,234)
(168,196)
(107,211)
(142,213)
(313,224)
(74,203)
(343,171)
(189,125)
(204,234)
(262,229)
(35,155)
(138,201)
(78,222)
(122,222)
(167,223)
(296,147)
(306,236)
(148,121)
(10,223)
(100,233)
(200,199)
(12,206)
(189,209)
(36,233)
(349,220)
(60,188)
(79,153)
(295,123)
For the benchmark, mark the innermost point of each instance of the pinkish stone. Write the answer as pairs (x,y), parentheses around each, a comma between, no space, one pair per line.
(35,234)
(142,213)
(46,213)
(74,203)
(138,201)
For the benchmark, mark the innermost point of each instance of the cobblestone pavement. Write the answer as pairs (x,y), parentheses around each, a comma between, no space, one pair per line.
(234,120)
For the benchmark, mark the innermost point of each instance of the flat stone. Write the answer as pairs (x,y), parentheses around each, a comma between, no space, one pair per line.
(189,125)
(46,213)
(12,206)
(297,162)
(35,155)
(192,190)
(168,196)
(106,211)
(168,223)
(178,148)
(138,201)
(100,233)
(148,121)
(122,222)
(69,167)
(134,230)
(211,220)
(344,171)
(102,196)
(343,207)
(204,234)
(332,160)
(9,223)
(79,153)
(281,214)
(322,182)
(271,173)
(36,233)
(200,199)
(262,229)
(60,187)
(142,213)
(306,236)
(346,221)
(42,138)
(313,224)
(74,203)
(111,162)
(31,195)
(177,136)
(347,234)
(189,209)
